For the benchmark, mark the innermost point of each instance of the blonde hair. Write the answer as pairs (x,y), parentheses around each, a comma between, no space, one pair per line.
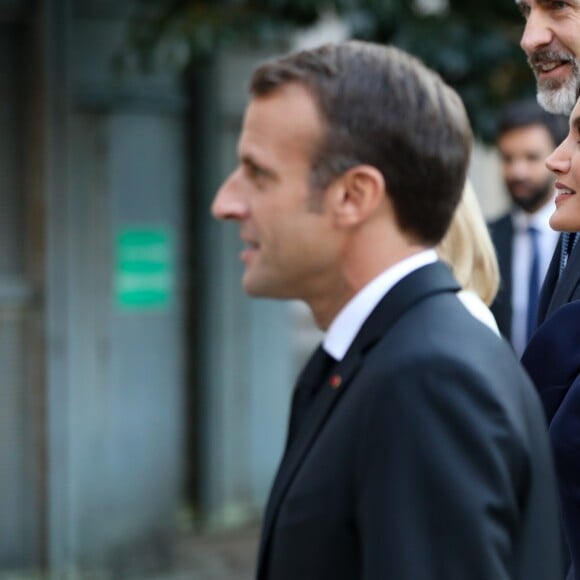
(467,248)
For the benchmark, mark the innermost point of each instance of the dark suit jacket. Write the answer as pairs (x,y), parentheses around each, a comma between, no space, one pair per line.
(425,456)
(552,359)
(557,292)
(502,235)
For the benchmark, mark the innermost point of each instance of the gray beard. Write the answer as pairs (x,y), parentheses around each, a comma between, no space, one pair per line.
(561,99)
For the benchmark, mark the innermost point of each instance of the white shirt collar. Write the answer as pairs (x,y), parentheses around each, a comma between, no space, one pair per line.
(521,261)
(539,219)
(344,328)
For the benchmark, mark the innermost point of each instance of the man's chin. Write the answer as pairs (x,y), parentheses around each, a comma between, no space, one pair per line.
(529,204)
(260,289)
(559,101)
(253,291)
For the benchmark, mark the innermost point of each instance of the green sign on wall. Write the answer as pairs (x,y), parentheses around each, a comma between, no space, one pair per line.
(145,268)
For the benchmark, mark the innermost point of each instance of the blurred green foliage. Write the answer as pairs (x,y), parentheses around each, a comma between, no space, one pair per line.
(474,44)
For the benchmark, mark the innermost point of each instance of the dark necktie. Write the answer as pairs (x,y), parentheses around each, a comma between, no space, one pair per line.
(533,282)
(310,380)
(568,243)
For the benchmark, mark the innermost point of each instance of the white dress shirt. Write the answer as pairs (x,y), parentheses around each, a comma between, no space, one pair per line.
(521,261)
(344,328)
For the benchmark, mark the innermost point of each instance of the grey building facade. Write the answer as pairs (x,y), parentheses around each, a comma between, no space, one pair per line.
(136,380)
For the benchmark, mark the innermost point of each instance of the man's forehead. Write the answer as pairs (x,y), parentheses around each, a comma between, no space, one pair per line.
(542,3)
(534,136)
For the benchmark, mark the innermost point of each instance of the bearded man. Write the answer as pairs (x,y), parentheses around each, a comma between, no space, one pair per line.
(523,239)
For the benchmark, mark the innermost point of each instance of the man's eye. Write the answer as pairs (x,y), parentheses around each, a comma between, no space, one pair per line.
(524,9)
(255,172)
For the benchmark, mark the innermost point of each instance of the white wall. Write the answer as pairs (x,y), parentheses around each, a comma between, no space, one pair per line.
(485,175)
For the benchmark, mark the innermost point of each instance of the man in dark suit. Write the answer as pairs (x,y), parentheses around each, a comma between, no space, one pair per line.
(523,239)
(417,448)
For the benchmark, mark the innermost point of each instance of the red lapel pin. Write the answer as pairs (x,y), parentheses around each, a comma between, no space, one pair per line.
(335,381)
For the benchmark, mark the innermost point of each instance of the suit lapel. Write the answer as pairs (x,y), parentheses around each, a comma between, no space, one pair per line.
(549,284)
(431,279)
(310,427)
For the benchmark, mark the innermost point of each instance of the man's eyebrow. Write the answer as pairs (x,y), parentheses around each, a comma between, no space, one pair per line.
(522,6)
(249,161)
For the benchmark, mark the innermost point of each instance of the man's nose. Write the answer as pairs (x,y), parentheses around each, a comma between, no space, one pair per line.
(229,203)
(536,34)
(518,169)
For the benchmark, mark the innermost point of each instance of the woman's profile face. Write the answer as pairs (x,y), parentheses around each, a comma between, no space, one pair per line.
(564,162)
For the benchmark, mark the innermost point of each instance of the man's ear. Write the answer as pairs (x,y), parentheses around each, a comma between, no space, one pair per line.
(358,195)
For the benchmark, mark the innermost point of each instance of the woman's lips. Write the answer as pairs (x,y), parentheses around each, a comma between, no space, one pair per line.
(562,194)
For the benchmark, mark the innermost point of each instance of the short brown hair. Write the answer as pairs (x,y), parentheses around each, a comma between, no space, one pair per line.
(384,108)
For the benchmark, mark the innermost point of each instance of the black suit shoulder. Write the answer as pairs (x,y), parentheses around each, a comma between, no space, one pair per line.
(451,341)
(444,405)
(395,467)
(502,235)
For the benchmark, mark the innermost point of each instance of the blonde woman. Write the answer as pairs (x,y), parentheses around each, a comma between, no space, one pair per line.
(467,248)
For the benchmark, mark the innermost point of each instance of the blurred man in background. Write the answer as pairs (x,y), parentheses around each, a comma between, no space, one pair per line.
(523,239)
